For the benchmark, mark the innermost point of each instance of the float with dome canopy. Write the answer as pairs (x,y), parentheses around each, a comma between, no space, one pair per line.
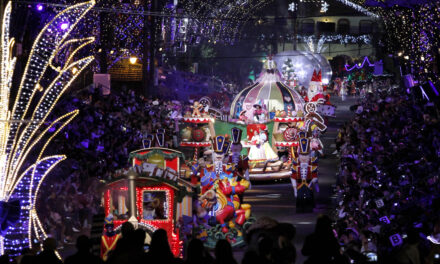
(272,115)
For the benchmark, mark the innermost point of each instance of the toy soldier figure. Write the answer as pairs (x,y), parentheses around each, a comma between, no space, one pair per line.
(109,238)
(240,164)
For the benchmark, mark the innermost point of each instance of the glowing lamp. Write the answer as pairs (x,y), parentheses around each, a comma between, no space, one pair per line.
(74,70)
(39,7)
(133,60)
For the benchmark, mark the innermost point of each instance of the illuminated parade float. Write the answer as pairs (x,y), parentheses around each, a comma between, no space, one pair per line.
(152,196)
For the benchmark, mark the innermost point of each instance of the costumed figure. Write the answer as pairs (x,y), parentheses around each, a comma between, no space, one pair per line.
(315,92)
(109,238)
(152,208)
(270,65)
(268,151)
(259,116)
(242,119)
(337,86)
(240,164)
(304,173)
(256,151)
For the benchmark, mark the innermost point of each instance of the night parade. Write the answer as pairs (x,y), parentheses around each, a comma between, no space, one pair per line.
(219,132)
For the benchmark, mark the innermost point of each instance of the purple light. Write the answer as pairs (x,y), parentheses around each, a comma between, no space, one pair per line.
(40,7)
(433,88)
(359,67)
(64,26)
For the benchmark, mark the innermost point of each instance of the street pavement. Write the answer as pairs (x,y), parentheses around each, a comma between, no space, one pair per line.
(276,199)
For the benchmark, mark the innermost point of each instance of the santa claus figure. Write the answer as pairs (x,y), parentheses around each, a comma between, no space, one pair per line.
(315,92)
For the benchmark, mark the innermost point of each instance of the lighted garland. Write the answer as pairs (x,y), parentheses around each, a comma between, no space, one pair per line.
(24,129)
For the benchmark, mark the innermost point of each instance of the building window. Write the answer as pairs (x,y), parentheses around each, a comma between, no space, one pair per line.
(344,26)
(308,26)
(365,27)
(324,27)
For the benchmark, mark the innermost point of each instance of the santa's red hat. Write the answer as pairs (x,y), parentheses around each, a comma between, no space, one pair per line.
(316,77)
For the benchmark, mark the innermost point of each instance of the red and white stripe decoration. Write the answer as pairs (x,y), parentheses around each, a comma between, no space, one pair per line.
(195,144)
(197,120)
(288,119)
(286,144)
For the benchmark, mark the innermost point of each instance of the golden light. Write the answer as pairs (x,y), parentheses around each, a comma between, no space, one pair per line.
(21,173)
(133,60)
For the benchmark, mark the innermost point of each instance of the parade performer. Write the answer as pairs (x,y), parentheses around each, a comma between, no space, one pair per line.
(109,238)
(256,152)
(304,172)
(259,116)
(240,164)
(268,151)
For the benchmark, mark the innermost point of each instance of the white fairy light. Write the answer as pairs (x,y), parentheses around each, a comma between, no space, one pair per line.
(292,7)
(324,7)
(20,128)
(358,8)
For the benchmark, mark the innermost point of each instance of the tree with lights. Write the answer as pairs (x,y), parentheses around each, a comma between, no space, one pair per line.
(289,73)
(26,129)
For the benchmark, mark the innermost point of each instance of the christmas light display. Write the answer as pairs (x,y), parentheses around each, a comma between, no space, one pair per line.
(358,8)
(324,7)
(360,65)
(211,21)
(25,130)
(412,33)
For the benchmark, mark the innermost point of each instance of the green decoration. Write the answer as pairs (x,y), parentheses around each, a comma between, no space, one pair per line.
(148,155)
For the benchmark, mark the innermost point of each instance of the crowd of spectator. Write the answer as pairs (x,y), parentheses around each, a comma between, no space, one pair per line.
(388,204)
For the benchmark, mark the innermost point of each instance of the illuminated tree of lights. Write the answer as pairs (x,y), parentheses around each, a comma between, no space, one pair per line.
(25,131)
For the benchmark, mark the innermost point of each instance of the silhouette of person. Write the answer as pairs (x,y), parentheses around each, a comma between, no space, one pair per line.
(322,246)
(83,255)
(48,255)
(223,253)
